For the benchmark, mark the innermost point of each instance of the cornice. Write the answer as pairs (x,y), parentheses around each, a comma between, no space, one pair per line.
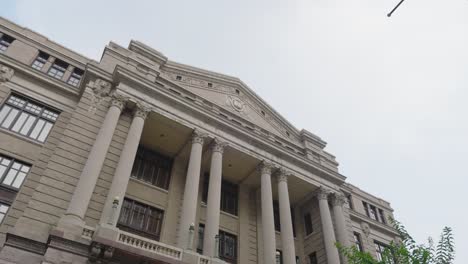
(189,101)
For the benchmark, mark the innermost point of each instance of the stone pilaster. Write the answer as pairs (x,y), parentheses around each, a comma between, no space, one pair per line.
(189,205)
(287,235)
(327,227)
(119,184)
(214,198)
(268,225)
(74,216)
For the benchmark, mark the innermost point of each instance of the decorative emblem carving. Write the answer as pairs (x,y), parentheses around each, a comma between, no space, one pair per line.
(236,103)
(142,110)
(365,228)
(101,89)
(5,73)
(266,167)
(338,199)
(198,136)
(322,193)
(218,146)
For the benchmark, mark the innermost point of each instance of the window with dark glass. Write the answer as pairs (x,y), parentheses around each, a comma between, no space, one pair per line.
(152,167)
(357,241)
(229,195)
(308,224)
(26,117)
(58,68)
(5,42)
(40,61)
(140,219)
(350,201)
(75,77)
(382,216)
(313,258)
(201,232)
(227,244)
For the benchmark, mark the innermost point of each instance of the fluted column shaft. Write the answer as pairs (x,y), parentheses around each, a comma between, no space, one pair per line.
(268,225)
(287,235)
(214,199)
(327,228)
(124,168)
(189,205)
(340,222)
(88,178)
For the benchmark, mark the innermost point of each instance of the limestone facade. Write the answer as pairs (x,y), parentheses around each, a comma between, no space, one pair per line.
(139,159)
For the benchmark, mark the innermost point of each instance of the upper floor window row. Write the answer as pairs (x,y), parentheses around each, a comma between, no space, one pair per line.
(152,168)
(57,69)
(27,118)
(5,42)
(374,213)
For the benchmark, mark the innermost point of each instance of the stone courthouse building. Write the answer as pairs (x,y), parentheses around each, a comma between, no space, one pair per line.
(139,159)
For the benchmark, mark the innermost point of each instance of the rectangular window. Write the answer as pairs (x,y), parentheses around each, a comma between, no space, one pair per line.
(40,61)
(227,247)
(201,232)
(229,195)
(350,201)
(357,241)
(57,70)
(141,219)
(5,42)
(308,224)
(313,258)
(152,168)
(382,216)
(12,172)
(75,77)
(227,244)
(379,250)
(3,211)
(28,118)
(371,211)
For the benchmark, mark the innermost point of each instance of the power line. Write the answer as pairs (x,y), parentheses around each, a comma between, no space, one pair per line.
(391,12)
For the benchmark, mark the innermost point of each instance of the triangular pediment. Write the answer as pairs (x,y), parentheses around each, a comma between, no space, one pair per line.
(237,98)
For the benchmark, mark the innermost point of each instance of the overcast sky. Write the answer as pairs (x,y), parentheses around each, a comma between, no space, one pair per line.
(387,94)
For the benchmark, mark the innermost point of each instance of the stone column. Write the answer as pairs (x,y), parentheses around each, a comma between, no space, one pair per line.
(214,199)
(327,227)
(268,225)
(84,189)
(189,205)
(119,184)
(287,235)
(340,222)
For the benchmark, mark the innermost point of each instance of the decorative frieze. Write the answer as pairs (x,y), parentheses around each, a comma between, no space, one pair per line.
(6,73)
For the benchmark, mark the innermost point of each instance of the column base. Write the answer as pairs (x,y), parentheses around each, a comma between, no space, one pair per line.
(70,225)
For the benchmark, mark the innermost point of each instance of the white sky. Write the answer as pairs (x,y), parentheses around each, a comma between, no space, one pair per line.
(388,95)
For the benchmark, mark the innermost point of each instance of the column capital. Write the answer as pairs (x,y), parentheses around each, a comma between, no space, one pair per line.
(5,73)
(198,136)
(322,193)
(282,175)
(119,100)
(338,199)
(266,167)
(142,110)
(218,145)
